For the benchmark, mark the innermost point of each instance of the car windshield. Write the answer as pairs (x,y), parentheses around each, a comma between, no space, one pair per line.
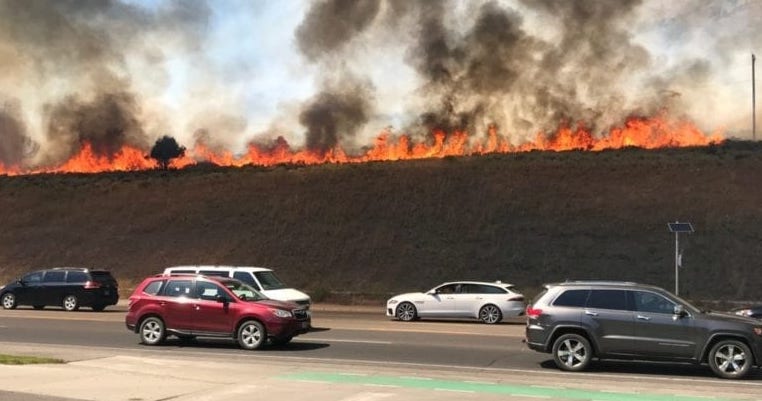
(269,281)
(244,291)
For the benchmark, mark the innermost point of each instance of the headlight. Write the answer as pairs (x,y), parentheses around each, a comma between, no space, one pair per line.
(743,312)
(391,302)
(281,313)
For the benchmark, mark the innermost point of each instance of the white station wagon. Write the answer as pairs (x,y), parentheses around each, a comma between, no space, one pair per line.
(489,302)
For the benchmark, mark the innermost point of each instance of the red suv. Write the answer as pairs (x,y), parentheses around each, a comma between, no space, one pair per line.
(190,306)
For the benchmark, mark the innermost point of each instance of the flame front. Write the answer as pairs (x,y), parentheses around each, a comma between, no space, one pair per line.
(648,133)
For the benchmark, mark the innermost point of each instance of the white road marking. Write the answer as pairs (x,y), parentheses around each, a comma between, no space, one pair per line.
(335,340)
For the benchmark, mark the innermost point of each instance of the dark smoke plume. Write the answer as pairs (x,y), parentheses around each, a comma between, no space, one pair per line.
(107,123)
(330,24)
(343,105)
(335,113)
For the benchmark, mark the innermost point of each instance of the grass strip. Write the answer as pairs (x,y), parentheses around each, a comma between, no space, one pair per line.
(26,360)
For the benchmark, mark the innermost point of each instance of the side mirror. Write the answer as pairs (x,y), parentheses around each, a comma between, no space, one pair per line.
(222,299)
(432,292)
(20,282)
(680,311)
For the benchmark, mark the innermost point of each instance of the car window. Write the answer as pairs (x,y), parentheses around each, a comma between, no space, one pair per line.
(244,291)
(449,289)
(32,278)
(153,287)
(607,299)
(574,298)
(183,271)
(178,288)
(215,273)
(208,291)
(77,277)
(482,289)
(103,277)
(269,281)
(644,301)
(54,276)
(246,277)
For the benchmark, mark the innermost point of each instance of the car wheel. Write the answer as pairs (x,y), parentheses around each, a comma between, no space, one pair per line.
(490,314)
(9,301)
(572,352)
(70,303)
(38,307)
(251,335)
(730,359)
(98,308)
(406,312)
(281,341)
(152,331)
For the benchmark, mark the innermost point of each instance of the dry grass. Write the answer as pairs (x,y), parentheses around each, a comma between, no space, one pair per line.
(361,232)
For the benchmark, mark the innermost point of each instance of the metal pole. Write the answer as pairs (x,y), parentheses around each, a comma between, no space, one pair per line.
(677,286)
(753,101)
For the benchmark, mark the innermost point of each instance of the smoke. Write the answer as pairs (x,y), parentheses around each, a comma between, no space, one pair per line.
(14,142)
(328,73)
(342,106)
(106,123)
(339,109)
(76,58)
(330,24)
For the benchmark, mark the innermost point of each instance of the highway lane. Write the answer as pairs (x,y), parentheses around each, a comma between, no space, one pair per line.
(346,336)
(338,336)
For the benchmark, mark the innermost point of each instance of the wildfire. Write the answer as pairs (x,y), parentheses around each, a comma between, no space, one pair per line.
(648,133)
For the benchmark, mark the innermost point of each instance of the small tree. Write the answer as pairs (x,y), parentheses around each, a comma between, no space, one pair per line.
(166,149)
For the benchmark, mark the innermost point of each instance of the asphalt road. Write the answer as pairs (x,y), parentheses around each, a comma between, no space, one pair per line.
(350,337)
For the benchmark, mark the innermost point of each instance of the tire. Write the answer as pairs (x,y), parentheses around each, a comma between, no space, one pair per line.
(98,308)
(251,335)
(9,301)
(572,352)
(490,314)
(70,303)
(730,359)
(281,341)
(152,331)
(38,307)
(406,312)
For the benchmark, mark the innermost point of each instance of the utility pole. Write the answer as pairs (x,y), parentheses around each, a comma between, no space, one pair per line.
(753,101)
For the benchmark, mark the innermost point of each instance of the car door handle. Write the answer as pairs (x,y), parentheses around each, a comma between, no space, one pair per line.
(587,312)
(641,317)
(450,297)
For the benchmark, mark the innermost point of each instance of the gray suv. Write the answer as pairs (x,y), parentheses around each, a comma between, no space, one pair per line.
(581,320)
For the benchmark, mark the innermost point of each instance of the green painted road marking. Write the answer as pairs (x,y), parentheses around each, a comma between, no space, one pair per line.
(491,388)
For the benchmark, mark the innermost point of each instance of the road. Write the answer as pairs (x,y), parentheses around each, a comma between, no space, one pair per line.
(367,339)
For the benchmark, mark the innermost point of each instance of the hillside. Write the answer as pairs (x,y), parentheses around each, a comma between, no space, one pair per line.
(380,228)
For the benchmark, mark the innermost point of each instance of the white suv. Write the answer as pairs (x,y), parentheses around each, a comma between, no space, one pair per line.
(261,278)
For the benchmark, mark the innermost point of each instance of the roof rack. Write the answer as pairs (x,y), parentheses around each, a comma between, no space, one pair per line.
(598,282)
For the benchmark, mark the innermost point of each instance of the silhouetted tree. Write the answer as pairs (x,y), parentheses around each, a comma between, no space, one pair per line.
(166,149)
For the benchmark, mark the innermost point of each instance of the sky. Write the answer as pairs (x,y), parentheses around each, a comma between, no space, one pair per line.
(336,72)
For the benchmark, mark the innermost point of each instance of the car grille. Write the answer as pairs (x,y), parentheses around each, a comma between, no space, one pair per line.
(300,314)
(303,302)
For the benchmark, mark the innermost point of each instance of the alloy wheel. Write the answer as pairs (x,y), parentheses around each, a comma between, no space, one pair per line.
(406,311)
(490,314)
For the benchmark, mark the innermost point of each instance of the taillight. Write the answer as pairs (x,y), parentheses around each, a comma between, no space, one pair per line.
(516,298)
(533,313)
(92,285)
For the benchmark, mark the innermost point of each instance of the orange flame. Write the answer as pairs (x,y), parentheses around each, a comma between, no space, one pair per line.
(648,133)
